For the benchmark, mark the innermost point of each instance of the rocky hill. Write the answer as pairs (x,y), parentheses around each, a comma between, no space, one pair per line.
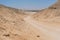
(51,13)
(14,27)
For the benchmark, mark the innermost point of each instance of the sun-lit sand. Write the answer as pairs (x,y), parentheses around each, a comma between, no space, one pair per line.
(16,24)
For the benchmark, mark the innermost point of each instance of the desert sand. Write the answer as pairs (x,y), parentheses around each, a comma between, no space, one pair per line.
(15,24)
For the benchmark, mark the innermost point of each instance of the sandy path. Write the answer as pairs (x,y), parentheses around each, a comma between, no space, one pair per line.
(49,32)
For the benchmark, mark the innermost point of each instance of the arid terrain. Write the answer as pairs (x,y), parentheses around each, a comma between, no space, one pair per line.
(17,24)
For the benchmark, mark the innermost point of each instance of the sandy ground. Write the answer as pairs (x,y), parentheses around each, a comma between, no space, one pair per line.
(49,31)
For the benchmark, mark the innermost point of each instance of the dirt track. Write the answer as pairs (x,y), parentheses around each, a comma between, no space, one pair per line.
(50,32)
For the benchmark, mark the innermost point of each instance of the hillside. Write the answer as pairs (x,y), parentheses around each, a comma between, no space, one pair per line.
(51,13)
(14,27)
(10,9)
